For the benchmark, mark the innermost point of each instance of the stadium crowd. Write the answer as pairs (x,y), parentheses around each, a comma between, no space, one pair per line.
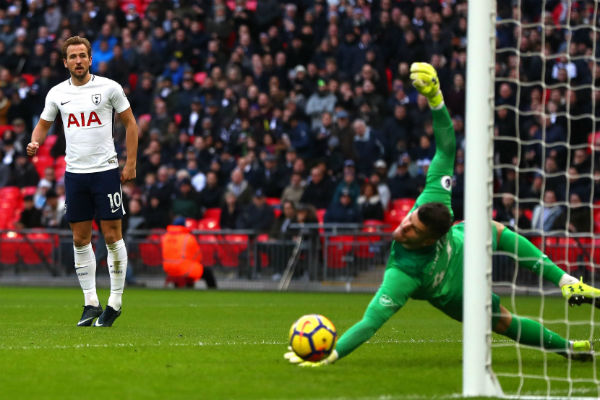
(308,102)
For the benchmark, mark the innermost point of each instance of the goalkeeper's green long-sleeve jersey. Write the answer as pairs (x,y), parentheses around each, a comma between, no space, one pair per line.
(433,273)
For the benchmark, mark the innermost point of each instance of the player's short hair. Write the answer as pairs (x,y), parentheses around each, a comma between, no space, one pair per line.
(436,217)
(75,40)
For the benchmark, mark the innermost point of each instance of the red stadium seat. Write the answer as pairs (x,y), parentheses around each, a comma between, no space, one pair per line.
(563,251)
(9,247)
(209,224)
(264,256)
(321,215)
(338,247)
(214,213)
(10,193)
(37,248)
(150,251)
(403,205)
(208,247)
(41,163)
(392,219)
(45,148)
(191,223)
(364,248)
(230,249)
(59,167)
(28,190)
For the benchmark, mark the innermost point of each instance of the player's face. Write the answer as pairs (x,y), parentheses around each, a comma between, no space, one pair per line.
(78,61)
(412,233)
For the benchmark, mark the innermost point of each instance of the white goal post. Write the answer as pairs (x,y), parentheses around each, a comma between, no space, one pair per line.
(478,377)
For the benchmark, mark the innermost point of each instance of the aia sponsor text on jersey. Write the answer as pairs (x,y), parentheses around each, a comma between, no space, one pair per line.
(83,121)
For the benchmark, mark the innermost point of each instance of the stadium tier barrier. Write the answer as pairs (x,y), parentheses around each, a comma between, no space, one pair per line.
(326,252)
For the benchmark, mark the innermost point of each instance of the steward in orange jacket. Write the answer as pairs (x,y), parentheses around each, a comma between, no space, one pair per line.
(182,256)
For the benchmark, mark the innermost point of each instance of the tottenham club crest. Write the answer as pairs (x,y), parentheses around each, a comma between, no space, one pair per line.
(96,98)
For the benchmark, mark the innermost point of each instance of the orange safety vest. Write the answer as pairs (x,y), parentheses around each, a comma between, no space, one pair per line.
(181,253)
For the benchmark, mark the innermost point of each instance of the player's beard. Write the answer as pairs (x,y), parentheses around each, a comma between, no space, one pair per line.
(80,74)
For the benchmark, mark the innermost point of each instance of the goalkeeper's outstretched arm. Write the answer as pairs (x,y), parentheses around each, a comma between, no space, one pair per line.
(439,175)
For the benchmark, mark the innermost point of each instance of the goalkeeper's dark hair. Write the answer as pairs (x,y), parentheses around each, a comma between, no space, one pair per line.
(436,217)
(75,40)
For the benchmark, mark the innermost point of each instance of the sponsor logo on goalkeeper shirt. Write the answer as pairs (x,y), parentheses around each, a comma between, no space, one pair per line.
(386,301)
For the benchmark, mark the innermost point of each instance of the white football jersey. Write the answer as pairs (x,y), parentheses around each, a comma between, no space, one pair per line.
(87,116)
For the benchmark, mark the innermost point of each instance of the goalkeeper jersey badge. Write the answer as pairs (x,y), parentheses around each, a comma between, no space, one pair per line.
(387,301)
(446,182)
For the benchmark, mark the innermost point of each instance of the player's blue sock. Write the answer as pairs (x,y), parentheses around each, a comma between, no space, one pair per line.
(117,268)
(85,268)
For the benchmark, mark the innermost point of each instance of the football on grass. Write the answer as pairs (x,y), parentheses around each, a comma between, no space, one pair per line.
(312,337)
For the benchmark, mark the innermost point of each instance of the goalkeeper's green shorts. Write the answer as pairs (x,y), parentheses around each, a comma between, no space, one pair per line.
(451,304)
(397,287)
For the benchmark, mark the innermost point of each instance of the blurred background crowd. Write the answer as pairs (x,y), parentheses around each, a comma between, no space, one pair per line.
(306,105)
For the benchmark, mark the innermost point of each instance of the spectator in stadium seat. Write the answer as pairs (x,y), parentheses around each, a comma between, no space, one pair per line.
(348,182)
(382,188)
(52,213)
(240,187)
(344,211)
(299,135)
(578,217)
(182,257)
(230,211)
(293,192)
(212,194)
(318,103)
(257,215)
(343,132)
(23,172)
(185,202)
(367,147)
(271,178)
(281,227)
(510,214)
(403,184)
(318,192)
(156,214)
(31,217)
(546,216)
(369,202)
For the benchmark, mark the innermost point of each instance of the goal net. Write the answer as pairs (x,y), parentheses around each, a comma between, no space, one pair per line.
(545,173)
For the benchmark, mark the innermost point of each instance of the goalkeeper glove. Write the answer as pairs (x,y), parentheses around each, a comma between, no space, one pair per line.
(329,360)
(294,359)
(425,80)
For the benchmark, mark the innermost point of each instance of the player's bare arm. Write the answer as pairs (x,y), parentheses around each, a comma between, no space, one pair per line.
(38,136)
(131,143)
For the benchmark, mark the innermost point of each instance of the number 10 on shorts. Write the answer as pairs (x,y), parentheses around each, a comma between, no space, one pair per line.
(115,201)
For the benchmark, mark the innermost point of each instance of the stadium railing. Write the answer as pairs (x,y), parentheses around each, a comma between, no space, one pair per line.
(327,252)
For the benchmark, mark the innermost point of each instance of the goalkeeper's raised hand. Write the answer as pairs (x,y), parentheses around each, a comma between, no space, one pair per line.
(424,78)
(294,359)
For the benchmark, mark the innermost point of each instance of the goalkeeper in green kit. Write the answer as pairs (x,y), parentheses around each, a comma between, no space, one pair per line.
(426,259)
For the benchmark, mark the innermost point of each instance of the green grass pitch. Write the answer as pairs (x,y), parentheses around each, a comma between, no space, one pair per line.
(186,344)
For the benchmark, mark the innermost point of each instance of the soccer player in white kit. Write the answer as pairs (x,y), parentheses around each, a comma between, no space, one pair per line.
(92,182)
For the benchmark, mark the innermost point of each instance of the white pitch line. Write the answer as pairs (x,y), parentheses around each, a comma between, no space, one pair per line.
(205,344)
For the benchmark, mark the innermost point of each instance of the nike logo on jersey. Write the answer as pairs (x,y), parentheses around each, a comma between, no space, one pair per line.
(63,103)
